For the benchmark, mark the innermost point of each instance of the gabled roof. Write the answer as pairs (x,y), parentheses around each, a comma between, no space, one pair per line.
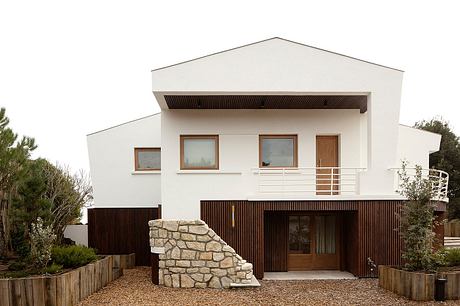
(271,67)
(274,38)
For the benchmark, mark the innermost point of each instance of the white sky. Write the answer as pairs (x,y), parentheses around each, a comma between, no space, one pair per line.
(69,68)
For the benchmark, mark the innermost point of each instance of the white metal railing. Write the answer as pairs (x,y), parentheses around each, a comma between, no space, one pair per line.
(439,181)
(309,180)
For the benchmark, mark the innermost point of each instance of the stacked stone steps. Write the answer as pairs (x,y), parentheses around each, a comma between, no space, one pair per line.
(191,255)
(452,242)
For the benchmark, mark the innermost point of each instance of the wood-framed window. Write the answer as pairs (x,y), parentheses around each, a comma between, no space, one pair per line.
(147,159)
(199,152)
(277,151)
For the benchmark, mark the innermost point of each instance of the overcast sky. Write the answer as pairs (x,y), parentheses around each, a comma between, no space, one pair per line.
(69,68)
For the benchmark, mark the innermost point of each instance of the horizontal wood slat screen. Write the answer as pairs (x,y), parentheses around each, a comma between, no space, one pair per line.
(267,102)
(121,231)
(368,231)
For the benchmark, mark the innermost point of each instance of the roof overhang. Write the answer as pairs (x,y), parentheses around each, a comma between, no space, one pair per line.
(267,102)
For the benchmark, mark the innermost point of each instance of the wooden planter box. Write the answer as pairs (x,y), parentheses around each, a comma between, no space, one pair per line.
(124,261)
(417,286)
(64,289)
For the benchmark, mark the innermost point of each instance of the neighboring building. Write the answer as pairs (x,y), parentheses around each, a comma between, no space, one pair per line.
(289,152)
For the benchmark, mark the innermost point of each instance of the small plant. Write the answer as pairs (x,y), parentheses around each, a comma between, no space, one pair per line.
(17,266)
(452,257)
(54,268)
(41,243)
(73,256)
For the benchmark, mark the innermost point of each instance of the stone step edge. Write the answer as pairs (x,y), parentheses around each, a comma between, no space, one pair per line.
(253,284)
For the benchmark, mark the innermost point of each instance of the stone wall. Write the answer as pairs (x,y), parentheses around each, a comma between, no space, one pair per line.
(193,256)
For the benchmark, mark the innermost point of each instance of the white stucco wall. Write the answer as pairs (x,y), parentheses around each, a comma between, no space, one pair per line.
(238,132)
(415,146)
(78,233)
(111,157)
(277,66)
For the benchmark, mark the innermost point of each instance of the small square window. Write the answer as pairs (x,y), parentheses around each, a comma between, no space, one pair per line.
(147,159)
(199,152)
(277,151)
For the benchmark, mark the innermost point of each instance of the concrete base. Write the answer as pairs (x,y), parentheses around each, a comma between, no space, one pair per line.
(254,283)
(308,275)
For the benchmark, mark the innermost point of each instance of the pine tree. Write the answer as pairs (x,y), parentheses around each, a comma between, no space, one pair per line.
(14,154)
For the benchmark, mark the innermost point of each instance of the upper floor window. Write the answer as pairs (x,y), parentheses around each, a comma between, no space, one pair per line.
(199,152)
(147,159)
(277,151)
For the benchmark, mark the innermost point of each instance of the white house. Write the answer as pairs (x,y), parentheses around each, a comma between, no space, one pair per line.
(289,152)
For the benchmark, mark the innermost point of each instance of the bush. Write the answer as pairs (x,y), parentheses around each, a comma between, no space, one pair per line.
(54,268)
(41,242)
(17,266)
(73,256)
(416,221)
(452,257)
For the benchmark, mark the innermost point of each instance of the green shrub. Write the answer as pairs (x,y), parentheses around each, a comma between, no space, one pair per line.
(73,256)
(54,268)
(14,274)
(452,257)
(17,266)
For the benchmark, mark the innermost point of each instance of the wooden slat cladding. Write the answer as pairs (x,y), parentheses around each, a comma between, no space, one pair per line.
(276,244)
(368,231)
(121,231)
(350,241)
(267,102)
(219,218)
(378,238)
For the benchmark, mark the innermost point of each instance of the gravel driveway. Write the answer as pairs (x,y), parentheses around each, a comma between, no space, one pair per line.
(135,288)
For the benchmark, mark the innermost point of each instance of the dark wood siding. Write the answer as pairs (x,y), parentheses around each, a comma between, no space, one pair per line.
(121,231)
(368,230)
(219,218)
(350,241)
(276,244)
(267,102)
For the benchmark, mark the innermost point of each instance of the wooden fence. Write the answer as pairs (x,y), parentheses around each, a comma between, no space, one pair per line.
(452,228)
(122,231)
(55,290)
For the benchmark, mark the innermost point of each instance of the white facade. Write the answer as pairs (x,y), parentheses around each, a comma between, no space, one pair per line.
(372,142)
(111,157)
(416,145)
(78,233)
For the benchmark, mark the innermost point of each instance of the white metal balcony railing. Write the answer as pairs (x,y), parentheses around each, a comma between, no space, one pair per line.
(439,181)
(309,181)
(334,181)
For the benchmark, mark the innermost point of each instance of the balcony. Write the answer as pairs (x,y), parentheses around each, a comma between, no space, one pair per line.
(308,181)
(334,181)
(439,181)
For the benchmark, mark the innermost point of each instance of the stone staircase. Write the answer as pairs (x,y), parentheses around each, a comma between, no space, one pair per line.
(452,242)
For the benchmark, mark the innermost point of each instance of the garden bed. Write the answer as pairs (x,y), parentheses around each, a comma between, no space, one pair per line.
(62,289)
(418,286)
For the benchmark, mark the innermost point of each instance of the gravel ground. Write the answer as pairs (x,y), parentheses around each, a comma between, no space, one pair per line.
(135,288)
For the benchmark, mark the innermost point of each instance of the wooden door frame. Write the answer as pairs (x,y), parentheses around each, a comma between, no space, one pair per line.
(338,155)
(338,240)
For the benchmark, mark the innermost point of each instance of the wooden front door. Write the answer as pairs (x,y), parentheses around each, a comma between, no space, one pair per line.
(314,242)
(327,158)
